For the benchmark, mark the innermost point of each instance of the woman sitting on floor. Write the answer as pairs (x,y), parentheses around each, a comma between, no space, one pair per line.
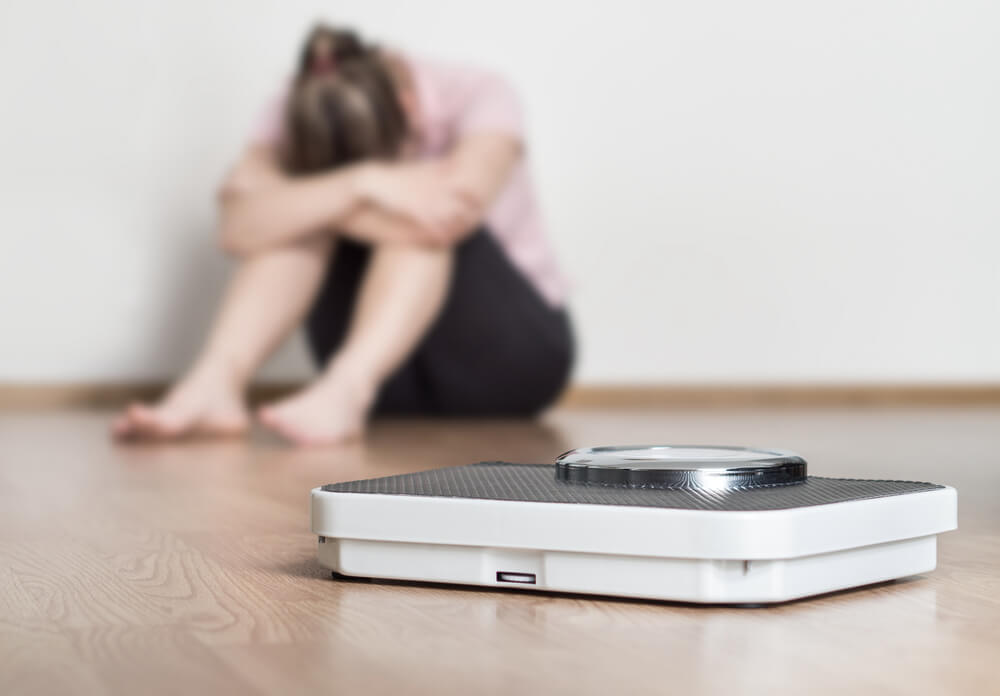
(386,203)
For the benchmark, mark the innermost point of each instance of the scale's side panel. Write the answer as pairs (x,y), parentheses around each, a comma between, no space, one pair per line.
(677,579)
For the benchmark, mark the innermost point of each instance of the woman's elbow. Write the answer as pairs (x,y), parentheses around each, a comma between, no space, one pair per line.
(455,236)
(466,224)
(231,236)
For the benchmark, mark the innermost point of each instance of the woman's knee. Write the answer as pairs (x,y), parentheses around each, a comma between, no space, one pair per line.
(406,257)
(319,245)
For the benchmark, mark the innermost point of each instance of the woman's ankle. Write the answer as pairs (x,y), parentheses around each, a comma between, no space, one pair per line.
(359,379)
(217,375)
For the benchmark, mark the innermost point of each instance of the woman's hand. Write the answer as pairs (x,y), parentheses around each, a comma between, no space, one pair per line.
(436,202)
(426,194)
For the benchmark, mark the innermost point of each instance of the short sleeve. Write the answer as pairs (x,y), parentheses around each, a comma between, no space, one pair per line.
(492,106)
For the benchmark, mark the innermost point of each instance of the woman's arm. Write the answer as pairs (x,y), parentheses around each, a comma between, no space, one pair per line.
(437,202)
(261,207)
(375,202)
(256,169)
(476,171)
(481,165)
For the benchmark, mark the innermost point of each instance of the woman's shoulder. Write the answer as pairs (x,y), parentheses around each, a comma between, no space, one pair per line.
(464,97)
(450,74)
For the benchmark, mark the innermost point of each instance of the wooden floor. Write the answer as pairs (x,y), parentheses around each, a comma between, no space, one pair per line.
(191,569)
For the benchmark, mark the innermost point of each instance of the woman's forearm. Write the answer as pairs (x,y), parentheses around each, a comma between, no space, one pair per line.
(434,203)
(290,211)
(374,225)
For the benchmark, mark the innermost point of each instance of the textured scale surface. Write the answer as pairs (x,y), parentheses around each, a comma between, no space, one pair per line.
(537,483)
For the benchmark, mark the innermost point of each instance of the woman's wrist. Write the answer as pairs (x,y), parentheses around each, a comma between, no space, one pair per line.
(364,178)
(331,196)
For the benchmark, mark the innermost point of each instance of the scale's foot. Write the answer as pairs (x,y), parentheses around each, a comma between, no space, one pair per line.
(348,578)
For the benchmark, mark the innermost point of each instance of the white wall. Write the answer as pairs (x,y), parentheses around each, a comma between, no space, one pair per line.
(752,191)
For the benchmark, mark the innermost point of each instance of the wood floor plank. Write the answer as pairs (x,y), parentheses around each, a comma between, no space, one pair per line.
(35,655)
(189,568)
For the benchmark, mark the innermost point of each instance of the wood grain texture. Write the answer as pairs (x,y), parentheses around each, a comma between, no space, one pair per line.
(189,568)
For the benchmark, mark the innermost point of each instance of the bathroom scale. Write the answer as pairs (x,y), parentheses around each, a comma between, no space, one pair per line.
(711,524)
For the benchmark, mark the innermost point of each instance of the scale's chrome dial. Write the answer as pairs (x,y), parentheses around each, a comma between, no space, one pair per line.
(680,466)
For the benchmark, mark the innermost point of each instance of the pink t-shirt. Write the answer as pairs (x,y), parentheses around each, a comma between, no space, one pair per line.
(455,101)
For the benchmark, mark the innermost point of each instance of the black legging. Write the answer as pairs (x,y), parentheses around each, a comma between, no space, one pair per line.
(496,348)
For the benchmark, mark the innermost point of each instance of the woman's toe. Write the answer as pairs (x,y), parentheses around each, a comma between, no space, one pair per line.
(121,426)
(142,417)
(268,416)
(153,423)
(264,413)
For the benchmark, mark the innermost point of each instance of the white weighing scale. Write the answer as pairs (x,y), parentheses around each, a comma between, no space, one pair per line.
(685,523)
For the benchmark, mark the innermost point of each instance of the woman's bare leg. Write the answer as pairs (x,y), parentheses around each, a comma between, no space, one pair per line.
(264,303)
(402,293)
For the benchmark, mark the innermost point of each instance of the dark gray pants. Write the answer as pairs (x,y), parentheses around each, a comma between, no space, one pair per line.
(495,349)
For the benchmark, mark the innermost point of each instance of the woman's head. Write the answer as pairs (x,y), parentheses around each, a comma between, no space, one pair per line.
(343,106)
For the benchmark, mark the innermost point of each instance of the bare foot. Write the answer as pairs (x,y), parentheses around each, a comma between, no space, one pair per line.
(331,410)
(200,404)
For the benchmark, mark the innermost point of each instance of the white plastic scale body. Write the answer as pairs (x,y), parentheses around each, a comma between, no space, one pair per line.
(682,523)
